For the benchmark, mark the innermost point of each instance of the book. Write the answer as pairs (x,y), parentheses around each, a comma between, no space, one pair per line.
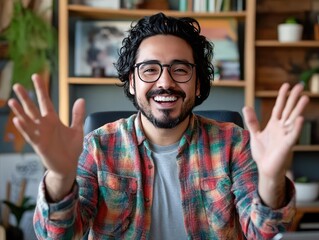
(219,5)
(183,5)
(305,135)
(211,5)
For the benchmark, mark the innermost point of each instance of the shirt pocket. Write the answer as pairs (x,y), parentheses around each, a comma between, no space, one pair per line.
(217,197)
(117,203)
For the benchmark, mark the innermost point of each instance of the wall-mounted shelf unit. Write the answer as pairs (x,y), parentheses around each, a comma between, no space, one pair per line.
(278,62)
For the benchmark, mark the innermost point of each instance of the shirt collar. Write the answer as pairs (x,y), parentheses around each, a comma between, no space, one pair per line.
(186,137)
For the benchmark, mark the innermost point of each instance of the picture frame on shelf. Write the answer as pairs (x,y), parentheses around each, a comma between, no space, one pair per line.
(97,45)
(223,33)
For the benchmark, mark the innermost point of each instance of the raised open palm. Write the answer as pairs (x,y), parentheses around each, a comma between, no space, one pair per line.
(58,146)
(272,146)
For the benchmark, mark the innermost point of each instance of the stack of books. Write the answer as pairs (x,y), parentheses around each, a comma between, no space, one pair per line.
(211,5)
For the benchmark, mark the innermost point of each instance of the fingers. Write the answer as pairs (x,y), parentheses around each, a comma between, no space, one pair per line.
(28,105)
(27,131)
(22,121)
(293,108)
(18,110)
(288,109)
(27,114)
(44,100)
(297,111)
(280,101)
(250,119)
(78,113)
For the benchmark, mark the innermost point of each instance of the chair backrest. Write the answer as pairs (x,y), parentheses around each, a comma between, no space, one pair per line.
(223,116)
(98,119)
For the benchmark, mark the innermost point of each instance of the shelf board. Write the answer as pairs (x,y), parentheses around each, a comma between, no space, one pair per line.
(228,83)
(114,81)
(308,206)
(276,43)
(306,148)
(105,13)
(273,94)
(93,81)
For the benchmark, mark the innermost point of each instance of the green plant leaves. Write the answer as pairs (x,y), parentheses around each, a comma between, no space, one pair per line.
(18,211)
(32,44)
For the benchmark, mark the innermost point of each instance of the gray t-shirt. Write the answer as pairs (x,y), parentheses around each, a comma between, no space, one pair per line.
(167,213)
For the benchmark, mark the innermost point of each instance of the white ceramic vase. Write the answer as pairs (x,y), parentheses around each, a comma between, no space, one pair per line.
(307,192)
(289,32)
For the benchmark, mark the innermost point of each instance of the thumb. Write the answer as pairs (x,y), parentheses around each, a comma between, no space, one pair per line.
(251,120)
(78,112)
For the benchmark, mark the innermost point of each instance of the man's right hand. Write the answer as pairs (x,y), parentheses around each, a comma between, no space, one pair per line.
(58,146)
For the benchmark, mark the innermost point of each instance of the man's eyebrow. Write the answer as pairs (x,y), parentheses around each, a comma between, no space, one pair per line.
(171,62)
(180,61)
(151,61)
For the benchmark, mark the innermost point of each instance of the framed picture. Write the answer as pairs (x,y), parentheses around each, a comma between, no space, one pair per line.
(97,45)
(223,33)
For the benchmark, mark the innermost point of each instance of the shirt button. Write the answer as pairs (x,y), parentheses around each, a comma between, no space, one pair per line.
(150,166)
(147,200)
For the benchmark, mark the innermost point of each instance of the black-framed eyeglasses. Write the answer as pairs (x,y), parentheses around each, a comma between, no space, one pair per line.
(151,71)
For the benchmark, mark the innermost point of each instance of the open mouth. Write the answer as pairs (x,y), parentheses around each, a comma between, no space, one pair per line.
(165,98)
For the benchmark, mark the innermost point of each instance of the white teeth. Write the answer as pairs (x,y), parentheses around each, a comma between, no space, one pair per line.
(165,98)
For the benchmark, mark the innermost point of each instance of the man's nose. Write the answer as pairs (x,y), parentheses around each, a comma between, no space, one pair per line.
(165,81)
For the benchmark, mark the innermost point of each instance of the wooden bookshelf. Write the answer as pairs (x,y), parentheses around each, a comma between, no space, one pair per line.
(69,12)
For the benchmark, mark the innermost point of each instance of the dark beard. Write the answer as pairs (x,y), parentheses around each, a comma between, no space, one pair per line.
(167,122)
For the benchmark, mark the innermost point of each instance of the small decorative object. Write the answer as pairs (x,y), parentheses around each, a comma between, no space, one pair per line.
(306,191)
(314,83)
(310,79)
(98,72)
(290,31)
(131,4)
(114,4)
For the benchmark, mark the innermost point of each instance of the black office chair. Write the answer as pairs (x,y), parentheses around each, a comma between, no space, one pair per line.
(98,119)
(223,116)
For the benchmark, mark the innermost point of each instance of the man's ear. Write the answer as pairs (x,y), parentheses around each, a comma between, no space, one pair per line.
(132,82)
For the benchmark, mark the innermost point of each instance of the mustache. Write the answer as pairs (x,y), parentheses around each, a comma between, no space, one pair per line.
(155,92)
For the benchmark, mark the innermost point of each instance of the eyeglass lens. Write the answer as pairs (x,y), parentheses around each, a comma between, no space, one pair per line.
(151,72)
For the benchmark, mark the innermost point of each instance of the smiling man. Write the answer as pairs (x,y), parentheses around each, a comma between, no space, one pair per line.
(163,173)
(164,85)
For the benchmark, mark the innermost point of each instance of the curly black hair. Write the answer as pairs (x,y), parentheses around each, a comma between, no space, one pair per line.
(186,28)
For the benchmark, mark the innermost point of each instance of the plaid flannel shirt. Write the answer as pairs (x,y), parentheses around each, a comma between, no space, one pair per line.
(112,195)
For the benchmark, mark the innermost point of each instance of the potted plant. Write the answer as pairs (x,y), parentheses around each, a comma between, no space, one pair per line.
(290,30)
(306,190)
(32,44)
(15,232)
